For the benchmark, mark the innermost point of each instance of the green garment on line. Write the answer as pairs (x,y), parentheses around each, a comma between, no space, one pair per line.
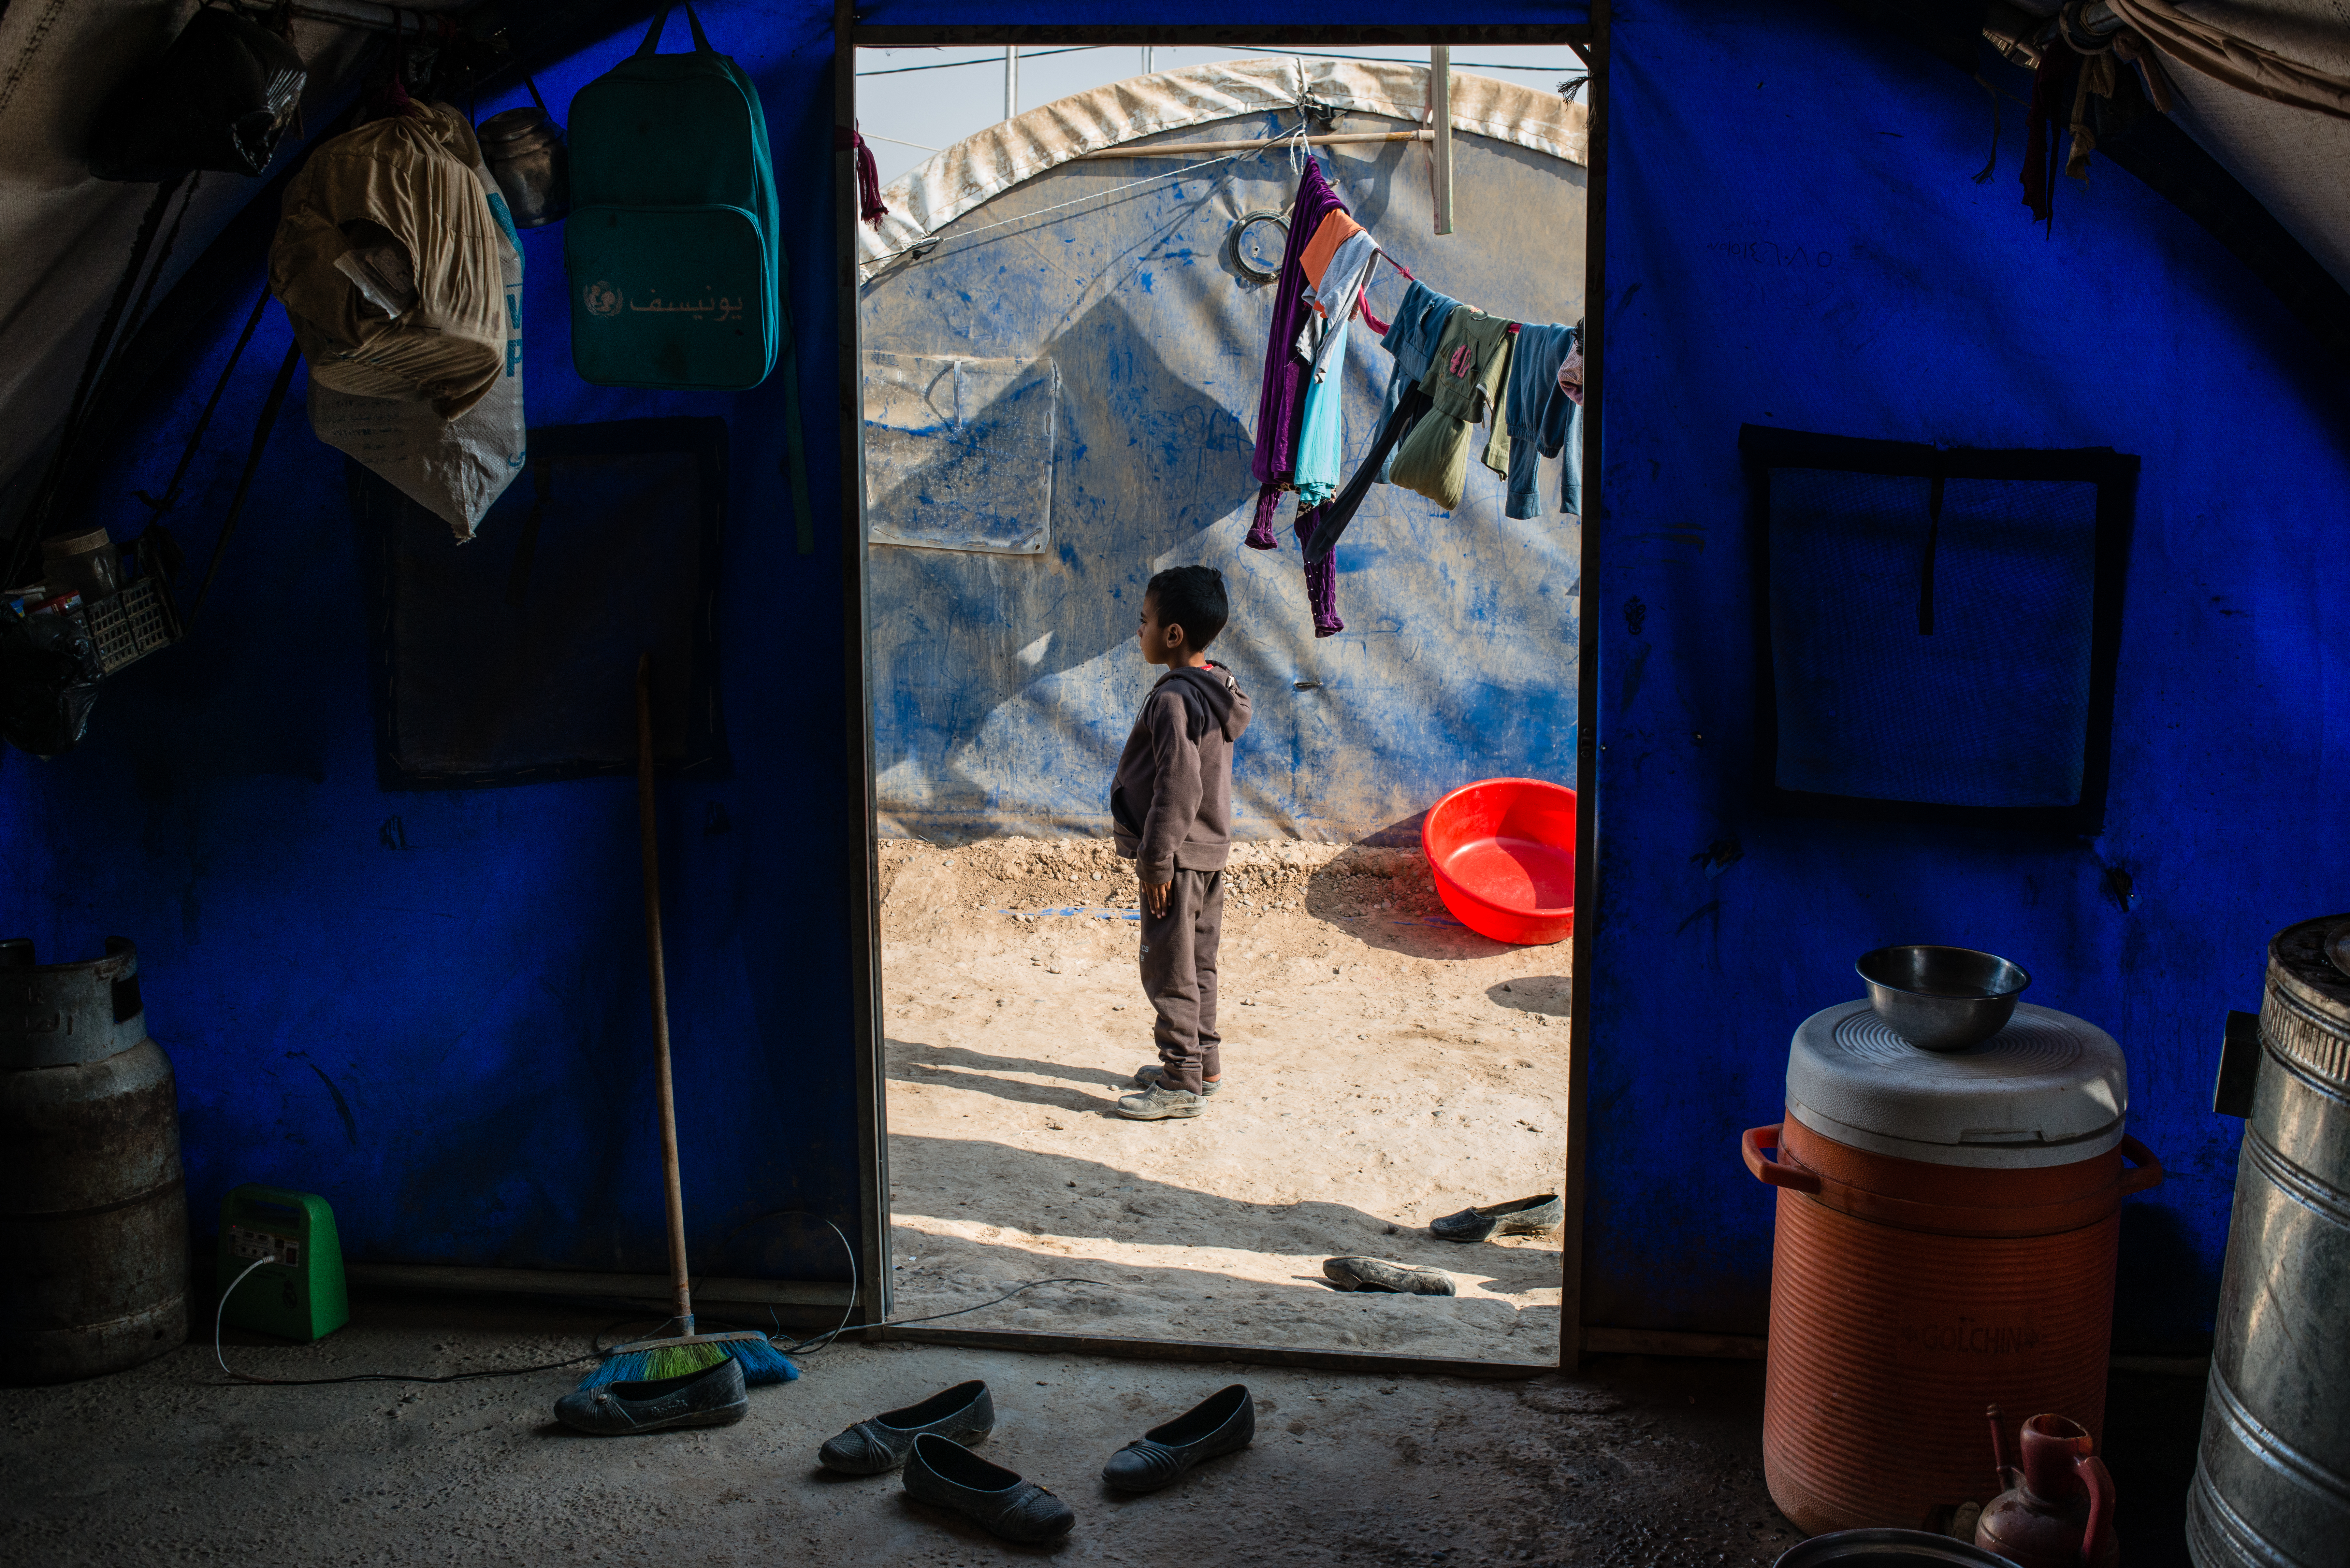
(1467,379)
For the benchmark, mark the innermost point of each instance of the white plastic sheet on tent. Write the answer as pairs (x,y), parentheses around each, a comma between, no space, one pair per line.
(959,452)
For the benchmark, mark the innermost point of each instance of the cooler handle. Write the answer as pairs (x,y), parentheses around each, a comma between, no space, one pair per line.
(1777,1173)
(2144,1169)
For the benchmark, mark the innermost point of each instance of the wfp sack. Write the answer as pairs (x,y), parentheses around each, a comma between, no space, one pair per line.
(454,468)
(388,261)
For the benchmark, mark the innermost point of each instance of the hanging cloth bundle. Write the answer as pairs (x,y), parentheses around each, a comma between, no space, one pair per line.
(456,469)
(221,98)
(869,204)
(2209,48)
(388,261)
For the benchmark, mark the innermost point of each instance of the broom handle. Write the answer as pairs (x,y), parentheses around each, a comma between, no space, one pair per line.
(648,838)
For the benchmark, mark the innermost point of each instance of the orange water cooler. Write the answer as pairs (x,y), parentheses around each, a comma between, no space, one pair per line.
(1947,1232)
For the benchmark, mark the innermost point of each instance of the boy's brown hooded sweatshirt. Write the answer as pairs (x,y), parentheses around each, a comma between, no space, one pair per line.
(1171,800)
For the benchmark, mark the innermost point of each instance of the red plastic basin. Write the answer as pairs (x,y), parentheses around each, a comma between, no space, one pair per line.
(1503,852)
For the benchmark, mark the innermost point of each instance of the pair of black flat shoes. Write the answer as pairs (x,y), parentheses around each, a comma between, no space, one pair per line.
(928,1440)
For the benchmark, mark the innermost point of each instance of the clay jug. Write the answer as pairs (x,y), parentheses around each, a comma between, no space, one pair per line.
(2058,1510)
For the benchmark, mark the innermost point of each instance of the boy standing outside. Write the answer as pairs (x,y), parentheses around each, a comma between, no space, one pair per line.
(1172,803)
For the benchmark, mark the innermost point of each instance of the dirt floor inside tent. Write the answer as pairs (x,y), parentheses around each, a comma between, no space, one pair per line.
(1629,1464)
(1384,1065)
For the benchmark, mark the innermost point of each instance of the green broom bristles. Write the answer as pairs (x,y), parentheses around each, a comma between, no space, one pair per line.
(761,1362)
(669,1361)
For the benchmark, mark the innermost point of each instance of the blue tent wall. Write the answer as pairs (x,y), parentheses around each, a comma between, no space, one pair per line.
(472,997)
(1794,239)
(431,1007)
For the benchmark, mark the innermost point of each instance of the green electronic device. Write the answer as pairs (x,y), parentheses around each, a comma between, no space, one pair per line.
(295,1291)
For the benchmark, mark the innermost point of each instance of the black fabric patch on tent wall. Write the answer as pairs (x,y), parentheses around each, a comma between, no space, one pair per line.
(1936,628)
(511,659)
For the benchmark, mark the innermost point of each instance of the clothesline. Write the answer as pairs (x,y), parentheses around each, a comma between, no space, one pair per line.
(1455,365)
(1241,150)
(1185,148)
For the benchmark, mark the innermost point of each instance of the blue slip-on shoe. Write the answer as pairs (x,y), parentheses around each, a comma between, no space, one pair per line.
(1521,1217)
(1223,1423)
(713,1396)
(964,1414)
(947,1475)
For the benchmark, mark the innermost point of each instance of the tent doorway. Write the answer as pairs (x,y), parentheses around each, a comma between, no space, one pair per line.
(1059,346)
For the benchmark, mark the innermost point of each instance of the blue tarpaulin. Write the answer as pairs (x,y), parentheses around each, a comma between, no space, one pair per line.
(429,1005)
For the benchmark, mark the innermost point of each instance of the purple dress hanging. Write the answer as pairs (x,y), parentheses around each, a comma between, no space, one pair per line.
(1282,395)
(1280,398)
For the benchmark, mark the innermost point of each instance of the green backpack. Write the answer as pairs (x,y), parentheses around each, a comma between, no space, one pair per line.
(675,264)
(676,269)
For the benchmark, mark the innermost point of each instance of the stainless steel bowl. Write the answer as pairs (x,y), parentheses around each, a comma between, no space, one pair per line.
(1887,1548)
(1941,999)
(525,152)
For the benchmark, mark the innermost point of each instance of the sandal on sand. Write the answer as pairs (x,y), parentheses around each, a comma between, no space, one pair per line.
(1520,1217)
(1378,1274)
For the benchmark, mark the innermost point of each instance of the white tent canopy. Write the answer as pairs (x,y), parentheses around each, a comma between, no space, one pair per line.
(943,188)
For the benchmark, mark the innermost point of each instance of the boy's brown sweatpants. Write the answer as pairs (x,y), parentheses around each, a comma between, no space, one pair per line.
(1178,976)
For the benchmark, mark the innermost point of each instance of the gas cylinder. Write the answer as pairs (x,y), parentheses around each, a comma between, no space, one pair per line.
(1948,1225)
(93,1218)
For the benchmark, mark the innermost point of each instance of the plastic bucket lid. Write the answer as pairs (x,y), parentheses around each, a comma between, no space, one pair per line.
(2048,1089)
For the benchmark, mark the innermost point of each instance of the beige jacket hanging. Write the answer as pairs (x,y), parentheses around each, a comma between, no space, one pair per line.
(412,176)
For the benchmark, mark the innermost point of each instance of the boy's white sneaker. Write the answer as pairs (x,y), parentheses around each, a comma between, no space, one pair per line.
(1159,1103)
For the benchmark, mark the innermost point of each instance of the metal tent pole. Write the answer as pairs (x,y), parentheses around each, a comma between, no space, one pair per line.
(1439,110)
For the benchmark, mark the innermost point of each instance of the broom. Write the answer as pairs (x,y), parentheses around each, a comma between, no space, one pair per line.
(646,1360)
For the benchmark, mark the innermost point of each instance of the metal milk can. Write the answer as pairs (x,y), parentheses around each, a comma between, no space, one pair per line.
(2272,1475)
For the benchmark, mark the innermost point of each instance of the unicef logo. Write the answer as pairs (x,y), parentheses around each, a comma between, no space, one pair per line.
(602,299)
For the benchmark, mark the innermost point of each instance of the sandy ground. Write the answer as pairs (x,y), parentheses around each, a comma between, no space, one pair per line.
(168,1464)
(1384,1065)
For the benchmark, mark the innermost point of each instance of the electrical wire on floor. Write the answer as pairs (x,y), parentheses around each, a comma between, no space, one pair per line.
(1064,1280)
(810,1347)
(597,1349)
(594,1353)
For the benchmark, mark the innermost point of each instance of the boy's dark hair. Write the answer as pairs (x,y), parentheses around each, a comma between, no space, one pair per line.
(1193,598)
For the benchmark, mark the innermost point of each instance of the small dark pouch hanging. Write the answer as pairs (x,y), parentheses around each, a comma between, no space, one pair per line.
(221,98)
(49,672)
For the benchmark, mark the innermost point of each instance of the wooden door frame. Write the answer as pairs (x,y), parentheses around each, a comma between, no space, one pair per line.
(863,911)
